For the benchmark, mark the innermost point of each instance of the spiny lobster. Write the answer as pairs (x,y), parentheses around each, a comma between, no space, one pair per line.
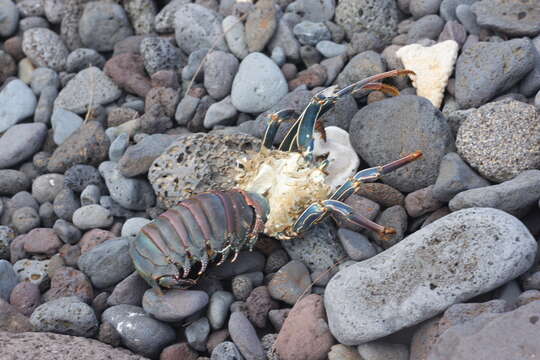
(279,192)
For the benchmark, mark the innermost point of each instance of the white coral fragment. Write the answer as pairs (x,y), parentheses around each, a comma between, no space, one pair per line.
(433,66)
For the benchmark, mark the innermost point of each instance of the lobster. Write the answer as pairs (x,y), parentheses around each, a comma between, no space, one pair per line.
(279,192)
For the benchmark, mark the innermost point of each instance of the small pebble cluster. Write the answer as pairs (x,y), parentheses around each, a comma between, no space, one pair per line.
(97,97)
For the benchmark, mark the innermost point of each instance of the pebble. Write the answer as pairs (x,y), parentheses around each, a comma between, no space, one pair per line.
(455,176)
(10,18)
(133,225)
(218,310)
(78,177)
(139,157)
(102,25)
(65,204)
(290,282)
(42,241)
(241,287)
(45,48)
(396,218)
(259,303)
(139,332)
(44,108)
(506,250)
(92,216)
(275,261)
(89,87)
(34,271)
(197,27)
(245,338)
(419,8)
(13,181)
(285,39)
(513,19)
(258,85)
(118,147)
(82,58)
(7,65)
(515,196)
(379,16)
(127,71)
(64,123)
(67,232)
(160,54)
(330,49)
(379,350)
(219,71)
(486,69)
(261,23)
(67,315)
(175,305)
(342,352)
(25,297)
(67,281)
(197,333)
(141,14)
(178,351)
(225,351)
(311,33)
(466,17)
(356,245)
(129,291)
(44,77)
(432,66)
(360,67)
(277,317)
(130,193)
(220,113)
(424,119)
(7,235)
(235,36)
(313,76)
(427,27)
(8,279)
(421,202)
(17,102)
(46,187)
(313,10)
(305,333)
(108,263)
(481,137)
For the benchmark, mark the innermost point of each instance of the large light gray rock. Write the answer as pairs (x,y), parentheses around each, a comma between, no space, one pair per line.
(258,85)
(455,258)
(198,27)
(17,102)
(21,142)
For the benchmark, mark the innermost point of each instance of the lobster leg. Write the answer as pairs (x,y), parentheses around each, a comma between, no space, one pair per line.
(371,174)
(341,212)
(275,121)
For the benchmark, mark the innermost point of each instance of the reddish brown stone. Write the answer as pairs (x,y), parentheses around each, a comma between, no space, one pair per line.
(67,282)
(13,47)
(312,77)
(42,241)
(70,254)
(120,115)
(259,303)
(127,71)
(11,320)
(166,97)
(260,25)
(166,79)
(178,351)
(383,194)
(93,238)
(25,297)
(305,334)
(16,249)
(216,338)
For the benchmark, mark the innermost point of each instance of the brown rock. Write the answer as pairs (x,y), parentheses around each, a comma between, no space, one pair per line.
(166,97)
(127,71)
(178,351)
(216,338)
(260,25)
(128,291)
(70,254)
(88,145)
(7,66)
(120,115)
(155,120)
(13,46)
(93,238)
(312,77)
(383,194)
(42,241)
(305,333)
(108,334)
(259,303)
(421,202)
(49,346)
(362,206)
(12,320)
(16,249)
(166,79)
(67,282)
(25,297)
(290,283)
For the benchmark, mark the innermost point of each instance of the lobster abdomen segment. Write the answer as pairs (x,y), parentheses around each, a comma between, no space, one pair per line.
(175,248)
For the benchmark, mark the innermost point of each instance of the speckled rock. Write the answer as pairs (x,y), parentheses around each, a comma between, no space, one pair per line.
(107,263)
(219,70)
(226,350)
(46,187)
(20,142)
(7,235)
(17,102)
(486,69)
(305,334)
(378,16)
(290,282)
(164,21)
(67,315)
(25,297)
(514,19)
(8,279)
(127,71)
(92,216)
(89,85)
(360,67)
(424,289)
(160,54)
(198,27)
(45,48)
(342,352)
(175,305)
(42,241)
(82,58)
(178,173)
(139,332)
(482,136)
(67,281)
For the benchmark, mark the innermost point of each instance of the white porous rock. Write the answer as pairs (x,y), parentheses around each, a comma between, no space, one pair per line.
(258,85)
(433,66)
(455,258)
(343,159)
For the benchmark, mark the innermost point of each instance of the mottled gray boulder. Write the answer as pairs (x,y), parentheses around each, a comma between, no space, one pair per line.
(389,129)
(198,27)
(514,196)
(486,69)
(17,102)
(139,332)
(175,305)
(8,279)
(514,18)
(20,142)
(360,67)
(379,16)
(455,258)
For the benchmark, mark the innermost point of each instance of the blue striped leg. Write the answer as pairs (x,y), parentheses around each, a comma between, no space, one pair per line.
(273,125)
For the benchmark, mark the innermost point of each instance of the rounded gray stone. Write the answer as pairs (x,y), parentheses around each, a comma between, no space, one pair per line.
(453,259)
(44,77)
(448,8)
(175,305)
(20,142)
(310,33)
(64,123)
(160,54)
(10,18)
(245,337)
(218,310)
(514,18)
(219,71)
(360,67)
(80,59)
(197,27)
(132,226)
(118,147)
(226,351)
(313,10)
(17,102)
(197,334)
(92,216)
(45,48)
(379,16)
(258,85)
(102,25)
(356,245)
(8,279)
(427,27)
